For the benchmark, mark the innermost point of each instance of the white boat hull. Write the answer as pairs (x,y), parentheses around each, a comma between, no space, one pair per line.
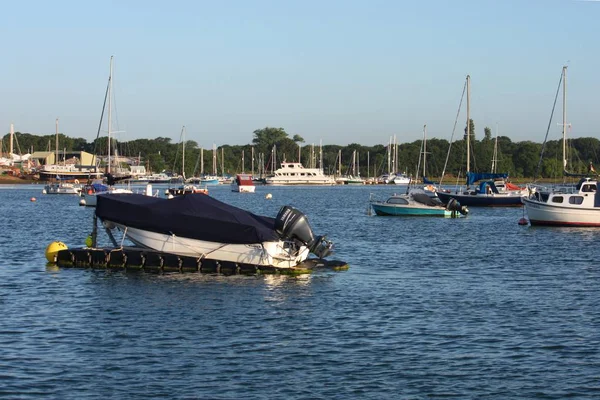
(273,254)
(243,188)
(541,213)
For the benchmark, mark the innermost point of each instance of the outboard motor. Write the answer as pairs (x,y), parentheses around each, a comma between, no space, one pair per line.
(454,205)
(292,224)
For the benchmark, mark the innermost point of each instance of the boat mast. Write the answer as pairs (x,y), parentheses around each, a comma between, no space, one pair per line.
(252,162)
(424,148)
(109,110)
(564,118)
(389,155)
(495,155)
(56,126)
(183,152)
(468,123)
(321,155)
(214,160)
(12,134)
(243,166)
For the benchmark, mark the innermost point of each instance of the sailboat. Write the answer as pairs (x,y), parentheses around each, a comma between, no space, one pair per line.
(92,189)
(60,186)
(492,189)
(355,178)
(186,188)
(577,206)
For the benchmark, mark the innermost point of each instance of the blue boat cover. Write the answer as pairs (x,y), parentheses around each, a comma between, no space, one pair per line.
(99,187)
(195,216)
(473,177)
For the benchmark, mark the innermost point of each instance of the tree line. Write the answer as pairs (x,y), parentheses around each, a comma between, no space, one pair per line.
(518,159)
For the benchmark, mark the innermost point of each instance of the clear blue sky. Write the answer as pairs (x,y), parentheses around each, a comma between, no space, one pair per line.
(340,71)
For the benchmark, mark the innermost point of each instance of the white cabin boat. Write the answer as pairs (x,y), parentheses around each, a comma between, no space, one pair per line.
(243,183)
(293,173)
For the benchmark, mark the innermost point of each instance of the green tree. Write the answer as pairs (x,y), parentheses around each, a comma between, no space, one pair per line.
(264,139)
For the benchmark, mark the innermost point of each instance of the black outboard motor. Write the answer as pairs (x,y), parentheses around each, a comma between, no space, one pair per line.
(292,224)
(454,205)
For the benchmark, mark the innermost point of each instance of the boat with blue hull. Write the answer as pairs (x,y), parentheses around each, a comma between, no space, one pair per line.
(417,203)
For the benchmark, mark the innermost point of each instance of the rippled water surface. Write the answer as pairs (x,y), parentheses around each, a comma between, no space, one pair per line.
(473,308)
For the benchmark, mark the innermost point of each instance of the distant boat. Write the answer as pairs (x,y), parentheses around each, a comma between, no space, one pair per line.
(575,206)
(243,183)
(185,189)
(61,187)
(89,192)
(292,173)
(417,203)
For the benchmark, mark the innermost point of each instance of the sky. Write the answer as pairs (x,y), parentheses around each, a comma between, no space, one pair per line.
(336,72)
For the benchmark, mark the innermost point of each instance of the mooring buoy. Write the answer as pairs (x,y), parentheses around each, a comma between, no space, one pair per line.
(53,249)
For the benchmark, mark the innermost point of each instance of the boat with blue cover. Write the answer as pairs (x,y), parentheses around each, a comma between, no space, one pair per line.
(206,228)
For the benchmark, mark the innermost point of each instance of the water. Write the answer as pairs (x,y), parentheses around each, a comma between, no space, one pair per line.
(472,308)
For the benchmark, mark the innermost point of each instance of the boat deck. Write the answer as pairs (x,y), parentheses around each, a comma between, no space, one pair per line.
(133,258)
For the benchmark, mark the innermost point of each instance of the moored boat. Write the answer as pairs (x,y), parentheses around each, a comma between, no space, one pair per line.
(204,227)
(566,206)
(292,173)
(243,183)
(417,203)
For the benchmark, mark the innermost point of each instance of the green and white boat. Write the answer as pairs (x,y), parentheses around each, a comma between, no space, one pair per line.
(417,203)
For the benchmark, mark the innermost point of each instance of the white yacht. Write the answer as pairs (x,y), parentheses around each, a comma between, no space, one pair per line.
(293,173)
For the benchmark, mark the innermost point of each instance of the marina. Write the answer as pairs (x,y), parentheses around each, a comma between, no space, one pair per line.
(296,200)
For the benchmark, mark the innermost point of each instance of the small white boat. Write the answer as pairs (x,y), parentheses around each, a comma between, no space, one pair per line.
(566,206)
(203,227)
(185,189)
(62,188)
(243,183)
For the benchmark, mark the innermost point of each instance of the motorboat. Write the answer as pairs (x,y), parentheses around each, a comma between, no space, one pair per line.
(89,192)
(417,203)
(293,173)
(207,228)
(577,205)
(185,189)
(63,188)
(243,183)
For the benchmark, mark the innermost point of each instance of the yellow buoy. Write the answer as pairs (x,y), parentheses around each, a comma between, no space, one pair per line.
(89,241)
(269,196)
(53,249)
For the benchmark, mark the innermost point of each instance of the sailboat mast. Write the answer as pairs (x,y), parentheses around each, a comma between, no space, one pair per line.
(201,161)
(468,123)
(109,110)
(424,148)
(495,155)
(56,156)
(214,159)
(11,149)
(243,166)
(183,152)
(564,118)
(252,158)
